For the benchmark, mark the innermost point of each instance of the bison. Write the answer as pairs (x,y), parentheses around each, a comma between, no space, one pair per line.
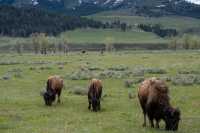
(154,101)
(54,87)
(94,94)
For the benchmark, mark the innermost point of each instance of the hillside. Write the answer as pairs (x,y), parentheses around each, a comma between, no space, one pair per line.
(138,7)
(182,24)
(25,21)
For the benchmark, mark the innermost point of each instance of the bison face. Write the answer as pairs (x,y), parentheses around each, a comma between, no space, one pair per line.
(172,118)
(49,97)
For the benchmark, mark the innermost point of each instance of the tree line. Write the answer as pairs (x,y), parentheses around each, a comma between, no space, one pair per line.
(186,41)
(25,21)
(158,30)
(22,22)
(40,43)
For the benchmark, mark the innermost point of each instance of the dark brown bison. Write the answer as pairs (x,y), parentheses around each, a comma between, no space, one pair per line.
(54,87)
(94,94)
(154,100)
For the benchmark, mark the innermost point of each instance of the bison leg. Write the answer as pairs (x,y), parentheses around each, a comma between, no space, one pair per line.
(89,101)
(150,116)
(99,106)
(150,112)
(99,100)
(59,93)
(151,122)
(144,124)
(157,124)
(144,113)
(89,106)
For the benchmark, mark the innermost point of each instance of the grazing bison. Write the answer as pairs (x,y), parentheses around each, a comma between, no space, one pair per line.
(154,100)
(94,94)
(54,86)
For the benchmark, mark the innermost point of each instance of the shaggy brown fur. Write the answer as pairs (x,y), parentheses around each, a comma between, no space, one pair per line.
(154,100)
(94,94)
(55,84)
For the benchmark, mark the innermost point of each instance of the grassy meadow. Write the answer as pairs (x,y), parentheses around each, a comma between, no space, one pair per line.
(22,108)
(92,37)
(96,36)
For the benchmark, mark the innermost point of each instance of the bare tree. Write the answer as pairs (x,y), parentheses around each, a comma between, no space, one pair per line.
(109,46)
(35,42)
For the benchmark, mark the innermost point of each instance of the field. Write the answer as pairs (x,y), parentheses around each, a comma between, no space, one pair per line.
(93,37)
(22,108)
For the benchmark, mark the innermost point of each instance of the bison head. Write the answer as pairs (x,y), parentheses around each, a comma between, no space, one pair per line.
(172,118)
(49,97)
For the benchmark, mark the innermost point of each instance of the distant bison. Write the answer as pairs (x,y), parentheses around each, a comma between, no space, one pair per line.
(154,100)
(54,87)
(94,94)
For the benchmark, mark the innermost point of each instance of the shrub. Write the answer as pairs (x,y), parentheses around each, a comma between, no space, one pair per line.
(188,72)
(128,83)
(18,75)
(7,76)
(60,67)
(111,74)
(15,70)
(32,68)
(79,90)
(166,78)
(80,75)
(138,72)
(10,63)
(138,80)
(131,95)
(62,63)
(45,68)
(94,68)
(155,71)
(118,68)
(184,79)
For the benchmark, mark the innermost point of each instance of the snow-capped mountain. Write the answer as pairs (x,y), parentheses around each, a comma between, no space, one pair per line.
(73,3)
(141,7)
(194,1)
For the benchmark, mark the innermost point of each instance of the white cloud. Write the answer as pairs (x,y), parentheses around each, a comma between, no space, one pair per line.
(194,1)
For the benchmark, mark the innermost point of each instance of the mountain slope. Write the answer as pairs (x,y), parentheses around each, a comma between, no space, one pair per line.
(139,7)
(25,21)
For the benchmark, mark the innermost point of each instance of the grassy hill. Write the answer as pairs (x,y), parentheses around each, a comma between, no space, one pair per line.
(178,22)
(91,36)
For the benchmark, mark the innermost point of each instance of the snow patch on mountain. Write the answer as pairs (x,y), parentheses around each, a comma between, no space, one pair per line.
(118,1)
(35,2)
(80,1)
(194,1)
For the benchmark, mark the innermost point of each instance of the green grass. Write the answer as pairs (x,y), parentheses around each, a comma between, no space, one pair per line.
(91,36)
(22,109)
(94,36)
